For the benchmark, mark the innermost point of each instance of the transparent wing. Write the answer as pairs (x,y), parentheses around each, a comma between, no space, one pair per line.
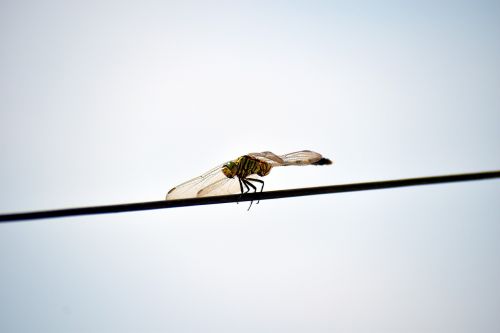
(303,157)
(268,157)
(222,186)
(191,188)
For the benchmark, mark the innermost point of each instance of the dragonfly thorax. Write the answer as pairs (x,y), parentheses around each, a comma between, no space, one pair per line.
(245,166)
(264,169)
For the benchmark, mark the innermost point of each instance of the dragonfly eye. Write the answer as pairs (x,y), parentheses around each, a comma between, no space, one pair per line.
(229,169)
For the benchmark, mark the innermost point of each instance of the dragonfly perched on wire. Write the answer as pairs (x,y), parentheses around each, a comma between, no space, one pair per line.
(242,174)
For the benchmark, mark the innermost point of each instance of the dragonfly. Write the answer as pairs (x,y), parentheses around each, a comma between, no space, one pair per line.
(242,174)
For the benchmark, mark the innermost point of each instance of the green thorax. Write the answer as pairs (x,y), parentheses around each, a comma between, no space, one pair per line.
(248,165)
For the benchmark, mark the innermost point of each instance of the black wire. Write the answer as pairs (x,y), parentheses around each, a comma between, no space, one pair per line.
(247,197)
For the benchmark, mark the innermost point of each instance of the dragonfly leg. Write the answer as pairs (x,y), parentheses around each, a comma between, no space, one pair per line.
(258,181)
(241,190)
(247,189)
(248,185)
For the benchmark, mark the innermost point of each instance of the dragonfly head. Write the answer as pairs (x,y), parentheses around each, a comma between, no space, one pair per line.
(229,169)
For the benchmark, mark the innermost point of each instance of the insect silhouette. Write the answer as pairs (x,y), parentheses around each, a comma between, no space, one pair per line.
(242,174)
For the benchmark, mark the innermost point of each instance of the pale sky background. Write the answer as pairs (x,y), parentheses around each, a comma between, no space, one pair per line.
(105,102)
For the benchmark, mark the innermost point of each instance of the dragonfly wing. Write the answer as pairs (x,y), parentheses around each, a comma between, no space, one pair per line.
(191,188)
(303,157)
(221,186)
(268,157)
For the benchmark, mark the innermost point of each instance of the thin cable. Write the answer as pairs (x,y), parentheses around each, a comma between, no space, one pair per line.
(130,207)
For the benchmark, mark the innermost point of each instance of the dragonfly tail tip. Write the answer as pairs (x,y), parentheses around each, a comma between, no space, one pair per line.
(323,161)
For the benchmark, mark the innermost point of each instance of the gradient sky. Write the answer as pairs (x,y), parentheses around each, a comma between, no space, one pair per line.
(105,102)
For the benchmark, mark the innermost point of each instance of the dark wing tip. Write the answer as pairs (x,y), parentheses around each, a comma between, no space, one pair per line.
(168,193)
(323,161)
